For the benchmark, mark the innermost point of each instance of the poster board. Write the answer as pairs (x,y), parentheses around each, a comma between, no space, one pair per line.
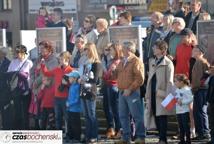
(127,33)
(68,6)
(3,41)
(205,35)
(56,35)
(27,38)
(158,5)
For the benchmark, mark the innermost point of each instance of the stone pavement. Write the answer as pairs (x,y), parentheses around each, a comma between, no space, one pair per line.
(150,139)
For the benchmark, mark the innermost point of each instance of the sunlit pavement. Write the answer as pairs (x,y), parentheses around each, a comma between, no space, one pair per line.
(151,139)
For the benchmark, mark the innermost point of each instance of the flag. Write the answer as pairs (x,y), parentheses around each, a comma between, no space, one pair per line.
(169,102)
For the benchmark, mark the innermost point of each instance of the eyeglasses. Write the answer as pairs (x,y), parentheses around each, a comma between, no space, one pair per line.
(87,21)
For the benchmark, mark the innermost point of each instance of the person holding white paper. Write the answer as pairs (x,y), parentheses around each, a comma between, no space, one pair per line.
(159,85)
(184,98)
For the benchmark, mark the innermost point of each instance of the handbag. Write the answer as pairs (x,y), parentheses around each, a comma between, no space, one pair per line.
(149,119)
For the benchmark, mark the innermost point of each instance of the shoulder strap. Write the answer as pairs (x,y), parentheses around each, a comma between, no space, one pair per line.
(15,74)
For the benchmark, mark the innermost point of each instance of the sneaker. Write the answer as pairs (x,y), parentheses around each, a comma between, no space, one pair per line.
(139,141)
(92,141)
(192,134)
(110,133)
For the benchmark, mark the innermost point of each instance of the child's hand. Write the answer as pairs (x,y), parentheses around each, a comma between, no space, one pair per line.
(67,104)
(179,101)
(64,82)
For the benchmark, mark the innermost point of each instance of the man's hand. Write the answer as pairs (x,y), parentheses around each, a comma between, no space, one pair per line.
(127,92)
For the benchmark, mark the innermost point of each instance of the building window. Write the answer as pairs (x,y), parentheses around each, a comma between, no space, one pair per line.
(6,4)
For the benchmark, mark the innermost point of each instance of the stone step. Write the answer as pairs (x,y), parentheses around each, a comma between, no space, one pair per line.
(102,124)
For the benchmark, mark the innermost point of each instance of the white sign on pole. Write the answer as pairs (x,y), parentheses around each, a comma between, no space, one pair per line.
(113,12)
(68,6)
(27,38)
(3,41)
(57,37)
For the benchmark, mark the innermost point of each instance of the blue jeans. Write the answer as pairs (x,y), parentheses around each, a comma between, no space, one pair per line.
(89,112)
(133,105)
(110,105)
(60,111)
(200,112)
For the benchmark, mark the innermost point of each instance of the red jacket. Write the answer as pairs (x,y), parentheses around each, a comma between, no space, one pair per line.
(57,73)
(47,97)
(182,57)
(107,74)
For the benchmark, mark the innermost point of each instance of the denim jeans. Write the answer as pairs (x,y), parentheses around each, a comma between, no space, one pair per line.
(200,112)
(110,105)
(60,111)
(89,112)
(133,105)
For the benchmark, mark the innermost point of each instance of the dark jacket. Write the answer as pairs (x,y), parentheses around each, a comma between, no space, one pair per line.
(187,21)
(60,24)
(149,42)
(210,93)
(5,64)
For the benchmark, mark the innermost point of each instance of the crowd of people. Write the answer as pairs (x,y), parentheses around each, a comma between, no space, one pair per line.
(52,92)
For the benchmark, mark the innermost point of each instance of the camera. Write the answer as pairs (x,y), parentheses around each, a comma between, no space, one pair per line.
(86,90)
(62,86)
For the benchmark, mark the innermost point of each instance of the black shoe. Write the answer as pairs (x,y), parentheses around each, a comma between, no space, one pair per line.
(181,142)
(198,138)
(206,136)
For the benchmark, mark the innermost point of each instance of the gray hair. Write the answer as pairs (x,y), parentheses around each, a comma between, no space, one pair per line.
(131,46)
(3,50)
(180,21)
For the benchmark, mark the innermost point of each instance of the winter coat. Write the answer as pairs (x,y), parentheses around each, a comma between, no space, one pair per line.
(164,80)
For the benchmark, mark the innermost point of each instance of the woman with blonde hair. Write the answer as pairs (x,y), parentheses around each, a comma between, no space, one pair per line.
(89,77)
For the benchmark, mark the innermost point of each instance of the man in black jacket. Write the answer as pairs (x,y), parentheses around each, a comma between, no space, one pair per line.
(192,18)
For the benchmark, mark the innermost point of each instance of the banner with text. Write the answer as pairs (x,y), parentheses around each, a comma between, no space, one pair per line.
(205,35)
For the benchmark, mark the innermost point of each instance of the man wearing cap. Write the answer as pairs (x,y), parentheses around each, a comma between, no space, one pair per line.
(4,61)
(200,92)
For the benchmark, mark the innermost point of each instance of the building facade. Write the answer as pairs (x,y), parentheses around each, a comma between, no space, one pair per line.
(16,15)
